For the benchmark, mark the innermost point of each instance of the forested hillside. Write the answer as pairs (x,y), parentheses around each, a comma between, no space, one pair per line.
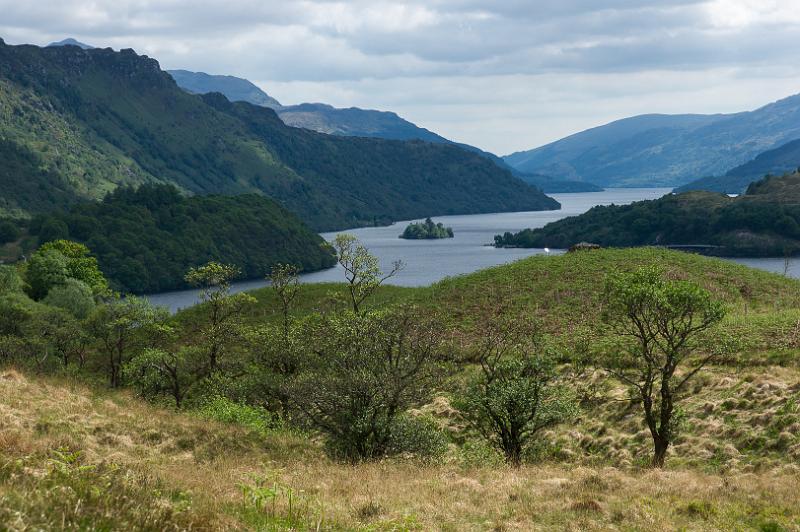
(146,239)
(100,119)
(763,222)
(779,161)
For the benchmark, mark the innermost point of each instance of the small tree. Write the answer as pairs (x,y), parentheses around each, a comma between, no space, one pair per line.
(285,282)
(55,332)
(661,320)
(122,328)
(517,392)
(361,269)
(362,371)
(157,372)
(223,310)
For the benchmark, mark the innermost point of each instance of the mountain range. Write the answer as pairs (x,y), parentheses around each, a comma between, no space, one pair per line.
(352,122)
(664,150)
(91,120)
(775,162)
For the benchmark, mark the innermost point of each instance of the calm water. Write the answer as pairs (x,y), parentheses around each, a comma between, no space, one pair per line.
(428,261)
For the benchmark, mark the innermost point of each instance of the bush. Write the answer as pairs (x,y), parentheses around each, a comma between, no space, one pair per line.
(417,435)
(73,296)
(255,418)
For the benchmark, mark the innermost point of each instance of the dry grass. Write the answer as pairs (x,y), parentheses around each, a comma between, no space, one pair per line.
(186,472)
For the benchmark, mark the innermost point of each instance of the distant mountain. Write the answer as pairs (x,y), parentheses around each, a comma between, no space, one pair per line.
(97,119)
(664,150)
(72,42)
(235,89)
(763,222)
(351,122)
(779,161)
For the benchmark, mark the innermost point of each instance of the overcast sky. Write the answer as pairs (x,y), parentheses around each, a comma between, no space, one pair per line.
(504,75)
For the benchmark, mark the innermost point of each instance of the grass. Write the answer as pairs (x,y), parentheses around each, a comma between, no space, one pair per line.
(733,467)
(134,466)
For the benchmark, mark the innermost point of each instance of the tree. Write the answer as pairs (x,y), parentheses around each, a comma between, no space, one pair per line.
(660,321)
(55,332)
(124,327)
(73,296)
(164,372)
(8,232)
(222,325)
(517,393)
(285,282)
(55,262)
(44,270)
(361,269)
(361,372)
(80,264)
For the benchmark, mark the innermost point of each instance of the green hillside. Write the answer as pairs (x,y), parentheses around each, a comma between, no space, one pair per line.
(146,239)
(765,221)
(75,454)
(100,119)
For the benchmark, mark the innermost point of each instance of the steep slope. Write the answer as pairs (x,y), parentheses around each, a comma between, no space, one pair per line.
(235,89)
(763,222)
(779,161)
(353,122)
(101,118)
(664,150)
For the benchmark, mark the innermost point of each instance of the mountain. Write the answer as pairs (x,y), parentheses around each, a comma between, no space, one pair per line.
(763,222)
(664,150)
(146,239)
(71,42)
(352,122)
(779,161)
(235,89)
(100,119)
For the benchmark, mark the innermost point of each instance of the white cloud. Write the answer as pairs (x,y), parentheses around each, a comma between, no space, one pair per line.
(501,74)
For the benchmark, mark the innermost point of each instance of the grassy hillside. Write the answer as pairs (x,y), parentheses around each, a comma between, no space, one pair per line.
(763,222)
(100,119)
(734,465)
(146,239)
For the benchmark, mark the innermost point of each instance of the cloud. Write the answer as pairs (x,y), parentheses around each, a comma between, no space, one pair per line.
(465,68)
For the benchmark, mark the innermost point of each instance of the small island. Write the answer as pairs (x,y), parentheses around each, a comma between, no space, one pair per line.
(426,230)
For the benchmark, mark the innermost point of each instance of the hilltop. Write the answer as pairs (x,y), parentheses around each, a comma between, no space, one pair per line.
(664,150)
(97,119)
(763,222)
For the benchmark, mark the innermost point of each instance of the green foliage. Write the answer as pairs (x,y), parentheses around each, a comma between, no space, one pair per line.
(146,239)
(255,418)
(427,230)
(122,329)
(761,223)
(360,373)
(517,393)
(99,119)
(221,326)
(56,262)
(81,266)
(9,232)
(157,372)
(44,270)
(658,322)
(74,296)
(10,279)
(361,269)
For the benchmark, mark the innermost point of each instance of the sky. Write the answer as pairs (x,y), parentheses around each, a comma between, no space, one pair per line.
(503,75)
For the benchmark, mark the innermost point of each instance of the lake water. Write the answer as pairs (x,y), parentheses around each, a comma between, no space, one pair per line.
(428,261)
